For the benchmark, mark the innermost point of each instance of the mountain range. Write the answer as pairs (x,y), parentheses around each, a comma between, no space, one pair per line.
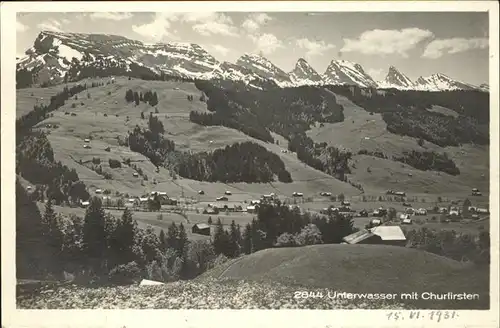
(54,55)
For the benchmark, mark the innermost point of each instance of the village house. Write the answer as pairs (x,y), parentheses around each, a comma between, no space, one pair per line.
(201,229)
(211,210)
(252,209)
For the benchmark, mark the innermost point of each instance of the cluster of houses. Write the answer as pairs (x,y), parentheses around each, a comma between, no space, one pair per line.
(139,201)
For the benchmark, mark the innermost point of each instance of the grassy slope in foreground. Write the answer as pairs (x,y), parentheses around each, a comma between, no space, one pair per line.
(362,269)
(209,294)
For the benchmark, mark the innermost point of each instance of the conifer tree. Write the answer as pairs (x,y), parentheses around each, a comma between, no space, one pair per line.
(172,234)
(125,235)
(163,241)
(182,241)
(234,243)
(94,233)
(247,239)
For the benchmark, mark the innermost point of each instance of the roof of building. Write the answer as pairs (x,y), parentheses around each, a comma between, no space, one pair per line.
(389,232)
(358,236)
(202,226)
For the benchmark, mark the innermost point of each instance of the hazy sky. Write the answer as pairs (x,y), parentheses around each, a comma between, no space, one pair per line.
(418,44)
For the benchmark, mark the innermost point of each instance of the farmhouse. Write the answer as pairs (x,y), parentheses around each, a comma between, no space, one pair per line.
(252,208)
(268,197)
(345,203)
(476,192)
(386,235)
(404,216)
(482,210)
(409,210)
(421,211)
(211,210)
(443,210)
(397,193)
(201,229)
(407,221)
(454,211)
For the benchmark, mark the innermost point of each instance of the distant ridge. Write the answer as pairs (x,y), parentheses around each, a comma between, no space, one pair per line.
(54,55)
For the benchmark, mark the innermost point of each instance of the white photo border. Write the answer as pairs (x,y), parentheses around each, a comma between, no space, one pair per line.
(12,317)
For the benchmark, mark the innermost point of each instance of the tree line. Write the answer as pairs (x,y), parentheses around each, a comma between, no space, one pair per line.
(35,156)
(429,160)
(41,112)
(289,112)
(239,162)
(148,97)
(281,110)
(406,113)
(103,249)
(35,162)
(424,161)
(320,156)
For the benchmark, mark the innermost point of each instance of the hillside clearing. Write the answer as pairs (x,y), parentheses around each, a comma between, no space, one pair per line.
(67,140)
(360,130)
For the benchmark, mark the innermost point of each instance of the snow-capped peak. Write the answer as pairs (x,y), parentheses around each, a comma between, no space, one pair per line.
(264,68)
(304,74)
(439,82)
(349,73)
(57,55)
(396,79)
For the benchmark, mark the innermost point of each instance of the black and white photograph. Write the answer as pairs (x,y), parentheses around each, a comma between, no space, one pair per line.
(202,158)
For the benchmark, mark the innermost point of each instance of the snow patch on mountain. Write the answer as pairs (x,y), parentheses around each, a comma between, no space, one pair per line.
(264,68)
(347,73)
(396,79)
(304,74)
(441,82)
(54,54)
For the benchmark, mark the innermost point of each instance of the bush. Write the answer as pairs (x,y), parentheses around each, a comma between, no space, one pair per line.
(309,235)
(113,163)
(125,274)
(285,240)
